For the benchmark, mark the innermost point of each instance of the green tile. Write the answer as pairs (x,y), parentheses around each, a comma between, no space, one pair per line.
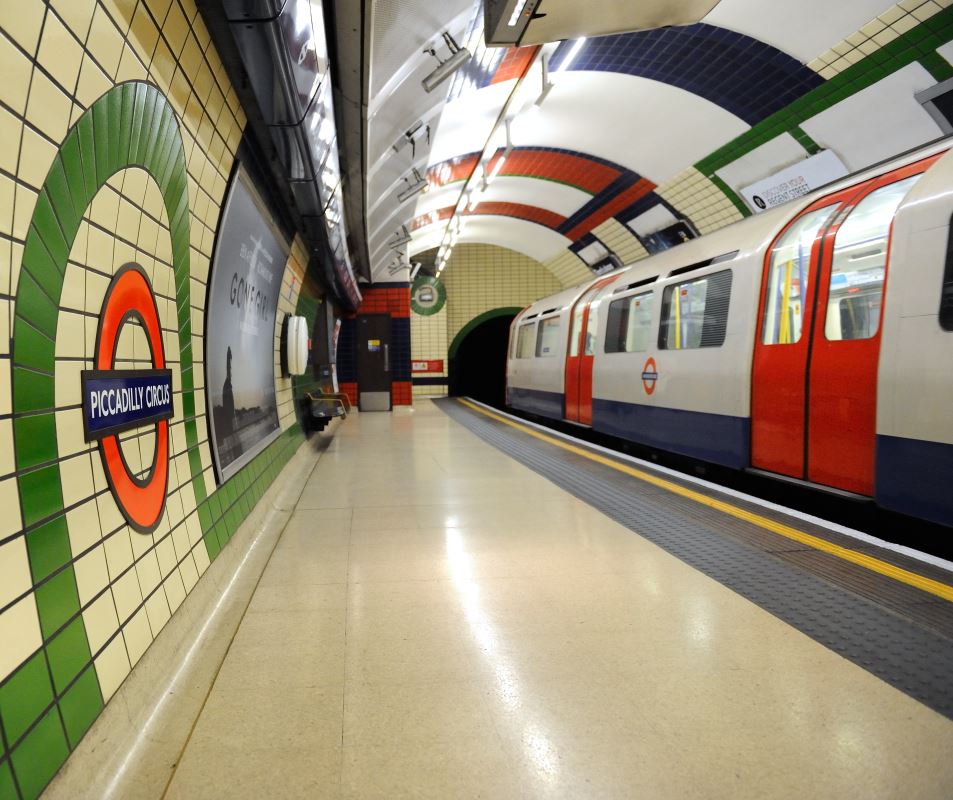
(57,601)
(31,347)
(147,140)
(81,705)
(32,391)
(47,225)
(212,545)
(25,696)
(40,264)
(101,141)
(113,103)
(68,653)
(57,185)
(40,755)
(41,494)
(127,108)
(72,163)
(8,789)
(87,151)
(49,548)
(138,112)
(36,439)
(35,307)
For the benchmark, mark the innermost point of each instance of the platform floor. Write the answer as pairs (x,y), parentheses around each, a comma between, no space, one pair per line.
(438,620)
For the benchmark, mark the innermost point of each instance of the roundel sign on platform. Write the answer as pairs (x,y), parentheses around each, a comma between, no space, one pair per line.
(649,376)
(117,400)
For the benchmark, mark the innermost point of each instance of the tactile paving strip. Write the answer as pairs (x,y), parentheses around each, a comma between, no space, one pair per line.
(913,657)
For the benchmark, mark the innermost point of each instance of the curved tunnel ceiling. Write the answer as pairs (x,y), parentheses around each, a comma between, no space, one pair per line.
(627,120)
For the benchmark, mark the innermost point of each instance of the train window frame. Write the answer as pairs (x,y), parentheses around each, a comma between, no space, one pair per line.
(711,333)
(546,324)
(871,292)
(623,342)
(530,337)
(945,314)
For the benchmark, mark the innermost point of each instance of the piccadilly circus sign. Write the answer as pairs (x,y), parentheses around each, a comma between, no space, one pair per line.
(118,400)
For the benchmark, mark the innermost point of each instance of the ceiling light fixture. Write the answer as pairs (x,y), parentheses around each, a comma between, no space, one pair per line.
(445,68)
(419,184)
(400,238)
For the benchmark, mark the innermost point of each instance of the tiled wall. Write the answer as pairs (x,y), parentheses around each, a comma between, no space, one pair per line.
(119,130)
(428,340)
(482,277)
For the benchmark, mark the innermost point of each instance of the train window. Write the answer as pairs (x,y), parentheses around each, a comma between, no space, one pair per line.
(946,296)
(547,340)
(526,341)
(695,312)
(629,324)
(789,273)
(859,264)
(592,326)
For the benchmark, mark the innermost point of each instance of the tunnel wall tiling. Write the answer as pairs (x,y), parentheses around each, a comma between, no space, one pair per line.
(123,130)
(481,277)
(428,337)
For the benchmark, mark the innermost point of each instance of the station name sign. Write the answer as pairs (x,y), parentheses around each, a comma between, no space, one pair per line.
(117,400)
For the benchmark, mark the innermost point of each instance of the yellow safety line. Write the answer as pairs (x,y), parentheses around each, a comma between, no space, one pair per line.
(861,559)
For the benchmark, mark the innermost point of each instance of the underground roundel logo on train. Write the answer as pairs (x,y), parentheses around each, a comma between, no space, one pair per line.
(118,400)
(649,376)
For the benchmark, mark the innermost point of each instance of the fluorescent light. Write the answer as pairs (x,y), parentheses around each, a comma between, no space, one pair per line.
(573,52)
(458,57)
(515,17)
(496,169)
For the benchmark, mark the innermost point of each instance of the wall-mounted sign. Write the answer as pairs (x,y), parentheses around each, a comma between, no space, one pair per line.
(117,400)
(795,181)
(250,259)
(427,366)
(427,296)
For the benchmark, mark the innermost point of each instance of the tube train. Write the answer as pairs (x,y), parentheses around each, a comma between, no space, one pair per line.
(777,344)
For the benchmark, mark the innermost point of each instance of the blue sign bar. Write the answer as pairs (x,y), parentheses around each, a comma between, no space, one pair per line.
(117,400)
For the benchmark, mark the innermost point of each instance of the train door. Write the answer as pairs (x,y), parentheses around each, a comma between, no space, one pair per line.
(813,405)
(580,357)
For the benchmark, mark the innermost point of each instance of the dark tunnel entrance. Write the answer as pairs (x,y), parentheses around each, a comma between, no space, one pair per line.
(478,368)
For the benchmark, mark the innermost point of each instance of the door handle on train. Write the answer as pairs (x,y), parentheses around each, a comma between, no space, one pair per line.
(386,358)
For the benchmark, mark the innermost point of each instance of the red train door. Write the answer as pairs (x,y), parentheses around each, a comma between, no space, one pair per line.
(842,408)
(579,358)
(814,382)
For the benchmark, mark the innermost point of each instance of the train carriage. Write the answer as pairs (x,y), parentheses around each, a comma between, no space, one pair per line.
(778,344)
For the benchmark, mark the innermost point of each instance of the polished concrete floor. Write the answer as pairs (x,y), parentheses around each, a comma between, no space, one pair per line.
(439,621)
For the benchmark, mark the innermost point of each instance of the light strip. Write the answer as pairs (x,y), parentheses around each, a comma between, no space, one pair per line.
(515,17)
(573,52)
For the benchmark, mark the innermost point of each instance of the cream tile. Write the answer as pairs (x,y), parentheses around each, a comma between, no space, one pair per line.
(105,41)
(101,622)
(60,54)
(112,667)
(48,107)
(127,596)
(157,609)
(22,22)
(137,635)
(7,463)
(20,632)
(92,576)
(15,577)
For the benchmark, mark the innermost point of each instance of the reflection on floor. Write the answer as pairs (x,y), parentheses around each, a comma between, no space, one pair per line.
(439,621)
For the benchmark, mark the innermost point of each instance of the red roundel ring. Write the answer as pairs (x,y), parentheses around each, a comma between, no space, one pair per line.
(141,500)
(649,376)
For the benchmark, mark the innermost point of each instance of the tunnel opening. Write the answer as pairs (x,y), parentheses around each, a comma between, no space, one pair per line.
(477,367)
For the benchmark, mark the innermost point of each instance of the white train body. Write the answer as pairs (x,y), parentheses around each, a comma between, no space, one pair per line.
(807,342)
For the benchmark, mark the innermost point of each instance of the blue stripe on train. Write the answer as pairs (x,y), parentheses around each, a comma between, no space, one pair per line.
(533,401)
(915,477)
(711,437)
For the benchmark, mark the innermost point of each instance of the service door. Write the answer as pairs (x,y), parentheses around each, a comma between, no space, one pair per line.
(373,362)
(580,356)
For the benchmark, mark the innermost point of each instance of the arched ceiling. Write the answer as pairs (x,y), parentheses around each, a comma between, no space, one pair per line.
(625,121)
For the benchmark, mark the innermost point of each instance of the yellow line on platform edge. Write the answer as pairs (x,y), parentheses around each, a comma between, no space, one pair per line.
(861,559)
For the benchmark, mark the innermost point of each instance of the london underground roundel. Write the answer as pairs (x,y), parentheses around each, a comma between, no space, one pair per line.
(117,400)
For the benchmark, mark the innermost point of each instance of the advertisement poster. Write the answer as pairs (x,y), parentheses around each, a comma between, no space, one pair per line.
(250,258)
